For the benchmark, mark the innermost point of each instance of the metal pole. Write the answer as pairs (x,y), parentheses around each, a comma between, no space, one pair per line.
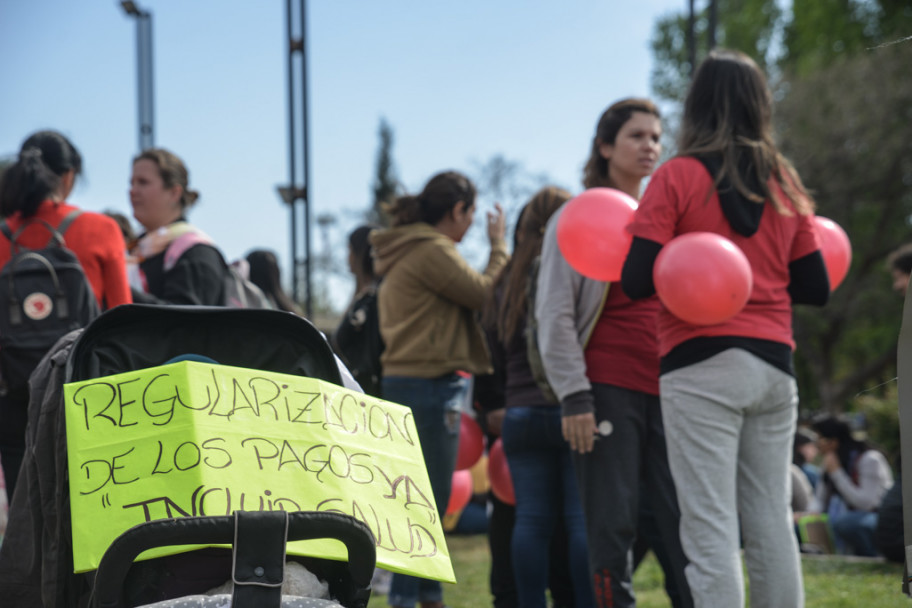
(308,304)
(146,87)
(291,157)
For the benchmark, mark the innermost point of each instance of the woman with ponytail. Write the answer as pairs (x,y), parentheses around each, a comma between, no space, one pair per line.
(33,190)
(176,262)
(428,302)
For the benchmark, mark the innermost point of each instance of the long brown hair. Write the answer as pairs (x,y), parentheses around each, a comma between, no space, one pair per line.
(514,277)
(595,173)
(728,114)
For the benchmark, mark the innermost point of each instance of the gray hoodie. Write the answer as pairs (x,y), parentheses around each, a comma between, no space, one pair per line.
(567,307)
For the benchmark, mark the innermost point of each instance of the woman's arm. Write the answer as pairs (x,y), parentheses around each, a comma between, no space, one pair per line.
(451,276)
(874,479)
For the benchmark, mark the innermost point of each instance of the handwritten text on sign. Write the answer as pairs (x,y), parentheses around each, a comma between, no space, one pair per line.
(190,439)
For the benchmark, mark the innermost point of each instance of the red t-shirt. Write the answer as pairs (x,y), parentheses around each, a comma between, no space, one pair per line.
(97,242)
(622,350)
(675,203)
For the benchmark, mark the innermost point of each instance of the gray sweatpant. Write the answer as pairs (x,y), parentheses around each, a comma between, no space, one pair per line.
(729,426)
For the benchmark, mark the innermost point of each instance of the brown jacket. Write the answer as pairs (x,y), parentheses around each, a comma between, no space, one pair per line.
(428,300)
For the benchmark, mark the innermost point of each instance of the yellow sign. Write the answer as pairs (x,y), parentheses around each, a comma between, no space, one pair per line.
(191,439)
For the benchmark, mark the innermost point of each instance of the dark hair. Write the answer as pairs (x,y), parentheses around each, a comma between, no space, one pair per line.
(901,259)
(126,228)
(438,198)
(802,438)
(43,158)
(728,114)
(264,273)
(831,427)
(361,248)
(514,277)
(595,173)
(172,171)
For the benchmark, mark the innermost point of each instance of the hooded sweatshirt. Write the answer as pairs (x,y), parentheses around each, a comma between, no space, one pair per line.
(428,301)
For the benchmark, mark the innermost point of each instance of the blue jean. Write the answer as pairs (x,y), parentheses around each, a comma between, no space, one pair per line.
(436,405)
(546,491)
(856,528)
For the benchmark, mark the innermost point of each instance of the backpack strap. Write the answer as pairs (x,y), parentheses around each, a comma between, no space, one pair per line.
(181,244)
(56,233)
(67,221)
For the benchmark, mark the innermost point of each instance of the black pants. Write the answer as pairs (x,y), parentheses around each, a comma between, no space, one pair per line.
(628,462)
(13,420)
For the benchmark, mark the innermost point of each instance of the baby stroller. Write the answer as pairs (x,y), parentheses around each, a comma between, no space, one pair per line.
(36,560)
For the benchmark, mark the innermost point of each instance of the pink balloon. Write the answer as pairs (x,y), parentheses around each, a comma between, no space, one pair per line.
(702,278)
(592,235)
(836,249)
(499,474)
(460,492)
(471,443)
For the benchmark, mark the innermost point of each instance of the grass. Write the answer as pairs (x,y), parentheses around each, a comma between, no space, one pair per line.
(829,582)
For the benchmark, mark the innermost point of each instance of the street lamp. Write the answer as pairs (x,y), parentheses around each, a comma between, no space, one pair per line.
(145,96)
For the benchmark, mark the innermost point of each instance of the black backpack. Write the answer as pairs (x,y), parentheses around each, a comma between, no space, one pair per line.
(44,294)
(359,343)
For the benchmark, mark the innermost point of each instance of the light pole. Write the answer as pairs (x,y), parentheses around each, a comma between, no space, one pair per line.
(146,113)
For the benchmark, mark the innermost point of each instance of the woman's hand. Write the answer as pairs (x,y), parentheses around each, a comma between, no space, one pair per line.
(579,430)
(831,462)
(497,224)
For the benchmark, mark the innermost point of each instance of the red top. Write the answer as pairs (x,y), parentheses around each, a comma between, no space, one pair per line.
(96,240)
(675,203)
(622,350)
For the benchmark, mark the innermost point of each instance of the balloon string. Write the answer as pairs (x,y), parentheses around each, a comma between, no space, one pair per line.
(868,390)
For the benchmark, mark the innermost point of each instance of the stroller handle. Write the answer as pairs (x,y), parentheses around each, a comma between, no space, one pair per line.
(210,530)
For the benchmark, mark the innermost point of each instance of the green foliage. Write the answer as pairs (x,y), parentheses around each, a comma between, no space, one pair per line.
(847,134)
(745,25)
(822,31)
(386,184)
(881,412)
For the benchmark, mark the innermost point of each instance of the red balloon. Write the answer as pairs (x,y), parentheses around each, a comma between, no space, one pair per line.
(836,249)
(460,491)
(499,474)
(702,278)
(592,235)
(471,443)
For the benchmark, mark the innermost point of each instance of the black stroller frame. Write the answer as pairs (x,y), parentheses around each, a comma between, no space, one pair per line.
(36,561)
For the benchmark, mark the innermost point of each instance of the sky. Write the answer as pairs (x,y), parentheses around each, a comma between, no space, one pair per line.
(459,82)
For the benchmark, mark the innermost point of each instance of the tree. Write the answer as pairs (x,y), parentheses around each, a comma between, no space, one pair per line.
(386,184)
(746,25)
(847,134)
(822,31)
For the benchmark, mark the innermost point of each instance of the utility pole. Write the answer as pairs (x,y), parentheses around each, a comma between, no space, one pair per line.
(145,92)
